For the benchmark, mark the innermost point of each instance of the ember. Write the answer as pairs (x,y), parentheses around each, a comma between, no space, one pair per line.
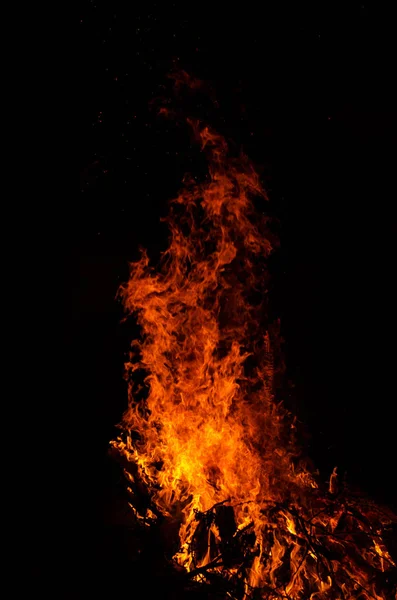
(207,449)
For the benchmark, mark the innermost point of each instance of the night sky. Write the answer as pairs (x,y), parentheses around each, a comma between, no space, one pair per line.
(307,94)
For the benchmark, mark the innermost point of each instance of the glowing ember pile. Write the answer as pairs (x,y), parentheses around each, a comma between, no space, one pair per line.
(204,443)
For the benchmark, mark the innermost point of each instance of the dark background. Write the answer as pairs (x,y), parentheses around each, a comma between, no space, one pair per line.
(307,93)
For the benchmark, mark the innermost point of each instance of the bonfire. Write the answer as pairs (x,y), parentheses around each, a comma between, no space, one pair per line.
(208,450)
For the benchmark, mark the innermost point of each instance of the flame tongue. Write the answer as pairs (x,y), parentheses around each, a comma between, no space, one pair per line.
(205,416)
(211,445)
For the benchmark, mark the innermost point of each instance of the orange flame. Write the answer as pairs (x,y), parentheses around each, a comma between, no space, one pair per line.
(204,432)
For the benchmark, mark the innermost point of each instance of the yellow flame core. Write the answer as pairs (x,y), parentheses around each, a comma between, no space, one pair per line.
(208,429)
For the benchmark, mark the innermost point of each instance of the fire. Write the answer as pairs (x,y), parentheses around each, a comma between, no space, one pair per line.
(205,442)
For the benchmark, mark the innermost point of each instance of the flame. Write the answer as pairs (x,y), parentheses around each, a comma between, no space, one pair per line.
(205,441)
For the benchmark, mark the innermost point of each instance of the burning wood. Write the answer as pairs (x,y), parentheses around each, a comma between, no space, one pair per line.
(206,447)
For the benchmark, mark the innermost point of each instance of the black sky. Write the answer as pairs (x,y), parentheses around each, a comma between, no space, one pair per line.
(307,92)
